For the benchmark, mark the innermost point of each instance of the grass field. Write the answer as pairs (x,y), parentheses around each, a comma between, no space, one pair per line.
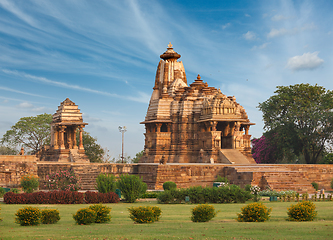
(174,224)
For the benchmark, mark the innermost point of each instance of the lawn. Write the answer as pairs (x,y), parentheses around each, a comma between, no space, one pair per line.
(175,223)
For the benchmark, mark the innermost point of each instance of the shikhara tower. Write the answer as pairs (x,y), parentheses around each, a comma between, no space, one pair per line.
(193,124)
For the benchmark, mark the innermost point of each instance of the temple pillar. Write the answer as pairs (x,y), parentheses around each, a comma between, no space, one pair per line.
(158,127)
(247,127)
(80,139)
(74,138)
(62,136)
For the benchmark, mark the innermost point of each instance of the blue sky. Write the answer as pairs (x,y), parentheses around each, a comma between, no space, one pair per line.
(103,56)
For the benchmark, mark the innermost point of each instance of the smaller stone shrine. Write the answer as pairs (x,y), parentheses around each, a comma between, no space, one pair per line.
(63,147)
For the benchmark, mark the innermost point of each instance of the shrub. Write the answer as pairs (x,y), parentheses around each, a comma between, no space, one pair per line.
(29,183)
(2,191)
(102,213)
(85,216)
(165,197)
(203,213)
(254,212)
(222,179)
(149,195)
(96,197)
(332,183)
(146,214)
(131,187)
(14,190)
(63,180)
(50,216)
(302,211)
(28,216)
(0,217)
(315,185)
(169,185)
(255,191)
(53,197)
(106,183)
(248,187)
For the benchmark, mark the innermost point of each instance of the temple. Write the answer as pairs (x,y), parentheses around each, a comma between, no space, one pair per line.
(195,123)
(63,147)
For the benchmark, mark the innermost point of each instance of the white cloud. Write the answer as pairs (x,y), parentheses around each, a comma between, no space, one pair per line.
(247,15)
(277,32)
(249,35)
(262,46)
(279,18)
(25,105)
(226,25)
(20,92)
(307,61)
(141,98)
(282,31)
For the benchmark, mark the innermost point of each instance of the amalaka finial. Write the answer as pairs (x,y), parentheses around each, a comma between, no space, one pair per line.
(169,45)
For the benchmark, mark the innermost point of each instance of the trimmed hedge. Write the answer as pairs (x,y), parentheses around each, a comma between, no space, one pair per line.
(96,197)
(60,197)
(197,195)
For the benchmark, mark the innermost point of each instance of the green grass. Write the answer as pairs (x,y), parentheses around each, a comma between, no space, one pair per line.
(175,223)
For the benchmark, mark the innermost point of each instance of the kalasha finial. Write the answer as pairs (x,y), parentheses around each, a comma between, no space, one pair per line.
(198,77)
(170,53)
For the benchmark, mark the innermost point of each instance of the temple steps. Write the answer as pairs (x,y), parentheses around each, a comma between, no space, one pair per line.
(88,175)
(234,156)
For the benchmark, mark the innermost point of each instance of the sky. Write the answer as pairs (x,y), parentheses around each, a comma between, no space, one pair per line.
(103,56)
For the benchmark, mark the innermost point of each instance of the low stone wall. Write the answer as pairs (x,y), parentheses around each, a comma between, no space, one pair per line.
(184,175)
(13,167)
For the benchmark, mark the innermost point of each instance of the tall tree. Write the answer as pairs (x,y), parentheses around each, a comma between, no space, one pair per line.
(93,150)
(30,132)
(302,117)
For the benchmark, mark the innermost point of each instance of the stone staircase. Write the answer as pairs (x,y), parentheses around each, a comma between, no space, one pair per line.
(76,156)
(234,156)
(88,174)
(287,180)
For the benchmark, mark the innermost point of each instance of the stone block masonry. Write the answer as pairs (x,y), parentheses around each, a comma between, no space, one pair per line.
(296,177)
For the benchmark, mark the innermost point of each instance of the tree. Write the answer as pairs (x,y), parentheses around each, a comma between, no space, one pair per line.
(30,132)
(4,150)
(93,150)
(302,117)
(137,157)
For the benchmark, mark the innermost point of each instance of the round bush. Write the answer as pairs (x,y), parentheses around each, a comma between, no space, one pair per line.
(50,216)
(85,216)
(169,185)
(254,212)
(302,211)
(203,213)
(146,214)
(102,213)
(28,216)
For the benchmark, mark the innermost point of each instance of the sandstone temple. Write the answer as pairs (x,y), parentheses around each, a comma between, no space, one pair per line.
(193,123)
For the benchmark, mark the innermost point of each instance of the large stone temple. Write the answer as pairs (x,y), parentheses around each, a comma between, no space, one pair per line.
(193,123)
